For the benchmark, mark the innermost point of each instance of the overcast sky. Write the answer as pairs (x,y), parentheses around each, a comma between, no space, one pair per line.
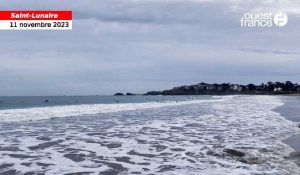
(142,45)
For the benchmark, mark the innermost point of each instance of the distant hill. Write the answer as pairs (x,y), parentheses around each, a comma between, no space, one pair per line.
(227,88)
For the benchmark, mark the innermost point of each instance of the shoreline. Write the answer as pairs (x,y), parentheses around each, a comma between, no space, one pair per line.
(293,142)
(290,111)
(290,95)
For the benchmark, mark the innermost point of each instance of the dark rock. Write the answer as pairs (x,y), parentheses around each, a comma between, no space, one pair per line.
(234,152)
(118,94)
(153,93)
(130,94)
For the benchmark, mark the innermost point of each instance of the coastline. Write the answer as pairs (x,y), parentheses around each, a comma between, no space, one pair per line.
(290,95)
(270,88)
(290,110)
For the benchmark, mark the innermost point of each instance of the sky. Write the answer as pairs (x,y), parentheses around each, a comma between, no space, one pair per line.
(142,45)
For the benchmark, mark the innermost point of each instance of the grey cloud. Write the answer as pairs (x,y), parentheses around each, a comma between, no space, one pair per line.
(137,46)
(160,13)
(266,51)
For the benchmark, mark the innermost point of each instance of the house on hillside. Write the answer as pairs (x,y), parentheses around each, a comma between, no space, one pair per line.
(237,88)
(279,89)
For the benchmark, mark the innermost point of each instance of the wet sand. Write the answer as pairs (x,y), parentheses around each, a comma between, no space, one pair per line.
(291,111)
(294,142)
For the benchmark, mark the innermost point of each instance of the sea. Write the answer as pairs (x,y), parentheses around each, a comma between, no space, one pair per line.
(151,135)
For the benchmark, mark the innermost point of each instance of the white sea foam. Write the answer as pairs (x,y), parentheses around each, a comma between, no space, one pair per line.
(40,113)
(185,139)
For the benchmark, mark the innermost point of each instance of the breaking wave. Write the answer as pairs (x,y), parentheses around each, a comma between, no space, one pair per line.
(40,113)
(237,136)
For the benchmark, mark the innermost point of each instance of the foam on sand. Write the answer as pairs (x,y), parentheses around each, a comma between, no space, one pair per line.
(196,138)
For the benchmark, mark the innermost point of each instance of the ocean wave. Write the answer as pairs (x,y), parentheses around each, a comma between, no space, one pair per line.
(40,113)
(238,136)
